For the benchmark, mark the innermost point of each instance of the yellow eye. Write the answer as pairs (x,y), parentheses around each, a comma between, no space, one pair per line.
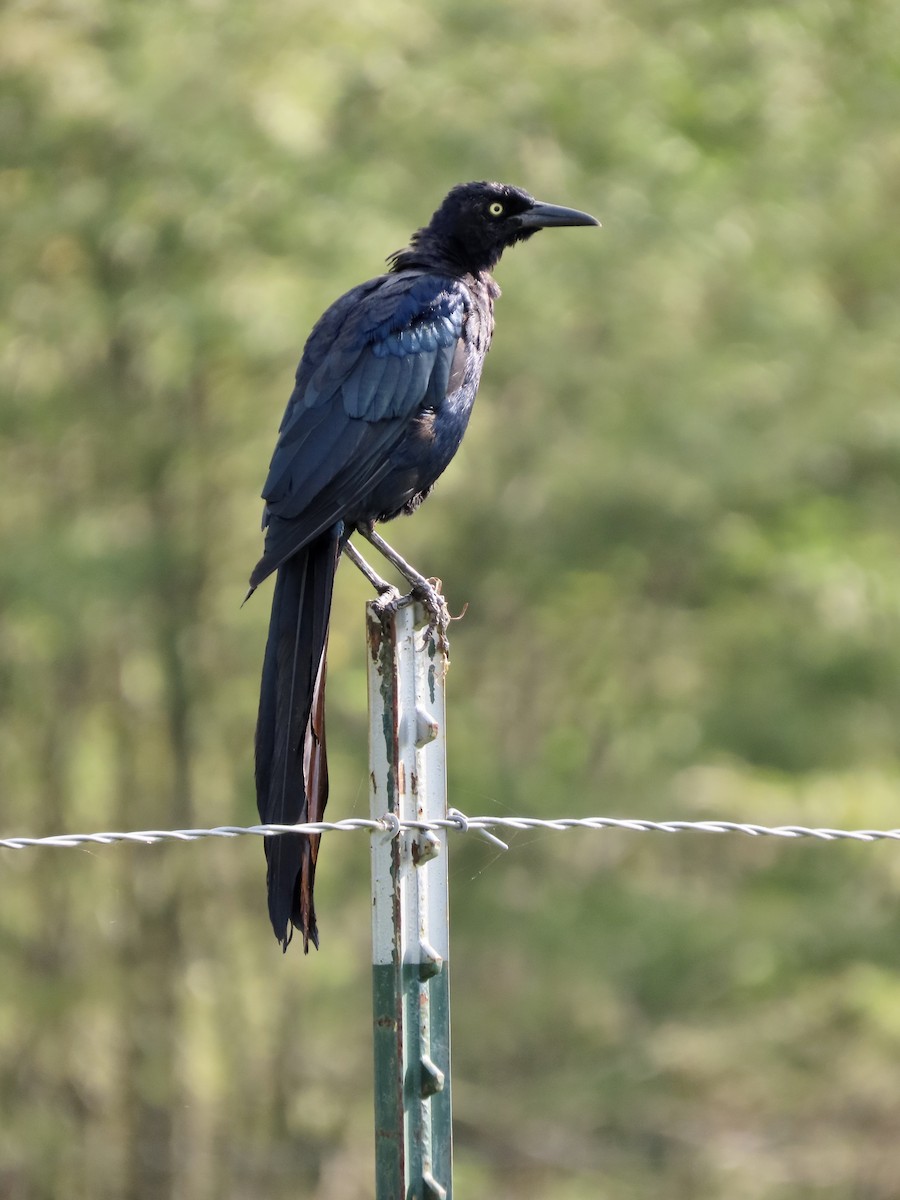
(495,209)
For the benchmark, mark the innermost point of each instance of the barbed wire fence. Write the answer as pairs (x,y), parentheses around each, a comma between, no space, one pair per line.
(410,924)
(455,821)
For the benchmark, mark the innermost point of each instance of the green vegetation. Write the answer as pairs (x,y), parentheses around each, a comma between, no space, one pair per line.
(675,520)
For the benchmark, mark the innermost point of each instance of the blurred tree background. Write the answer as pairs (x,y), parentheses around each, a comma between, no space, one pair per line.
(675,520)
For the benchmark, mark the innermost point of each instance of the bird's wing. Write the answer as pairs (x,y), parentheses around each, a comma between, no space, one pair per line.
(382,353)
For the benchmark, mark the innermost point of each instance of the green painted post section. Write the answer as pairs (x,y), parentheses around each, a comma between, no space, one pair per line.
(410,920)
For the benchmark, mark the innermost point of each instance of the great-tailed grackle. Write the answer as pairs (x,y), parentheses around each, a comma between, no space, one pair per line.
(382,398)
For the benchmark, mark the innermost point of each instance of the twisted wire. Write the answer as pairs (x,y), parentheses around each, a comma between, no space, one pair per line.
(392,825)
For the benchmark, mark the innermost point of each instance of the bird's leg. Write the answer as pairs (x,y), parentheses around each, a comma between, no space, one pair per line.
(425,590)
(381,586)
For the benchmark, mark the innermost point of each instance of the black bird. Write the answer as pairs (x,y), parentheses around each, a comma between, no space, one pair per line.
(382,398)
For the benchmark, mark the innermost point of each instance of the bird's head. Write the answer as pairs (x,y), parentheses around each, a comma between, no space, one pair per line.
(477,221)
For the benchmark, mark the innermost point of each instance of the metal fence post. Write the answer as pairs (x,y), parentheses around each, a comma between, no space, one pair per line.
(410,920)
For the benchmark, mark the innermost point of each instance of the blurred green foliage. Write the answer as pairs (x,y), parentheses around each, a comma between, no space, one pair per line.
(675,520)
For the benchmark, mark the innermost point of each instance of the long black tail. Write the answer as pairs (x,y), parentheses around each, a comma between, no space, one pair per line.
(291,768)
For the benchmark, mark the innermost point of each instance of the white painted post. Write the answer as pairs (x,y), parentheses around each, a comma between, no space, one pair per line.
(410,917)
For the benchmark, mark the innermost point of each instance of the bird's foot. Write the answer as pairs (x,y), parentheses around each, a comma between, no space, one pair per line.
(389,598)
(428,593)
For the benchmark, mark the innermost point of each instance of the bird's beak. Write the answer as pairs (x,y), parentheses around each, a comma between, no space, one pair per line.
(543,216)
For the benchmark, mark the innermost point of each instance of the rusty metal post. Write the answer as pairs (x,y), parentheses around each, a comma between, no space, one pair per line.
(410,919)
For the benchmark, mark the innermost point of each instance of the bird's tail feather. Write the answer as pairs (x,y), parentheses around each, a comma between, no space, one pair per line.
(291,766)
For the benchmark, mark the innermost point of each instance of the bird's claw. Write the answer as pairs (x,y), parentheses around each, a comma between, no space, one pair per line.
(429,595)
(388,599)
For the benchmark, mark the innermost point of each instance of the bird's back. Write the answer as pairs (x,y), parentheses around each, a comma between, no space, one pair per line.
(382,398)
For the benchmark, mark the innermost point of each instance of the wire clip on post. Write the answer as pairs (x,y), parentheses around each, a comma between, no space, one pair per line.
(410,917)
